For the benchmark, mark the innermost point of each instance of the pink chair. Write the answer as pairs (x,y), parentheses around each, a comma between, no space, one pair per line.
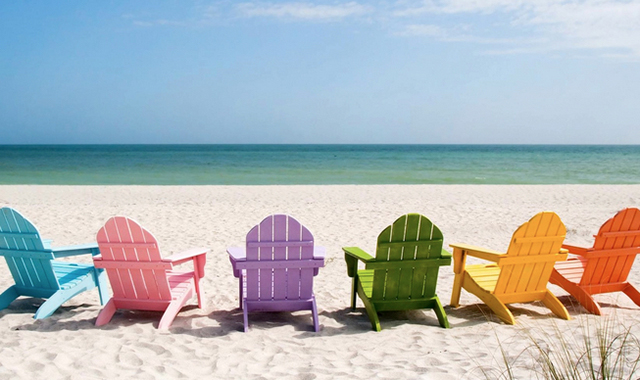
(277,267)
(140,278)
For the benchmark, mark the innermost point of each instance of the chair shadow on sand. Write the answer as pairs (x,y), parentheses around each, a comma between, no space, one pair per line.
(225,321)
(478,313)
(335,322)
(357,321)
(58,321)
(609,306)
(230,321)
(66,317)
(347,322)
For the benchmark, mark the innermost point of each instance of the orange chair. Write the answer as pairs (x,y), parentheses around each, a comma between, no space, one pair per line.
(604,268)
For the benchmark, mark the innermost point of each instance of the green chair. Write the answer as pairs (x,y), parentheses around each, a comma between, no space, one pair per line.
(404,272)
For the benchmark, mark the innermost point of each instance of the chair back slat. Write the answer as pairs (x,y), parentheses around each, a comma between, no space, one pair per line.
(28,260)
(541,236)
(617,235)
(277,238)
(413,240)
(123,240)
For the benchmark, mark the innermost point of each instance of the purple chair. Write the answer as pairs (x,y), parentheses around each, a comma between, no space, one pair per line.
(276,269)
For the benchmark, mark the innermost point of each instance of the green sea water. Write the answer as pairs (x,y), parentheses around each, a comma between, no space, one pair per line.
(318,164)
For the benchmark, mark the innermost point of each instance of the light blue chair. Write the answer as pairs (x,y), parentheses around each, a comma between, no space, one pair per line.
(35,272)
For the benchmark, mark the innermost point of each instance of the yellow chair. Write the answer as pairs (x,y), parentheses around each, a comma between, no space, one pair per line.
(521,274)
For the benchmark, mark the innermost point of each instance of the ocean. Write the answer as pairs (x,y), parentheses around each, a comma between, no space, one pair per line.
(318,164)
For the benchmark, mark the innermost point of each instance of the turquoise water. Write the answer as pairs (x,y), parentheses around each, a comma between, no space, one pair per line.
(318,164)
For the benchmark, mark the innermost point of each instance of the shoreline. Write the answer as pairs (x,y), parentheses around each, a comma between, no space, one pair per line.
(321,165)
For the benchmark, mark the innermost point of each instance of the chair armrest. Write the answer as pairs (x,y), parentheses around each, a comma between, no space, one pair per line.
(357,253)
(47,243)
(236,254)
(575,250)
(198,255)
(74,250)
(319,253)
(351,256)
(445,257)
(479,252)
(460,252)
(181,257)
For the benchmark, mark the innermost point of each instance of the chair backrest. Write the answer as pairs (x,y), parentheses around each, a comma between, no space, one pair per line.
(131,257)
(614,249)
(283,250)
(408,256)
(531,255)
(27,258)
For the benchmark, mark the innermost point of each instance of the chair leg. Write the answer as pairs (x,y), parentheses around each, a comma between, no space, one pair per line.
(246,314)
(632,293)
(354,292)
(497,306)
(52,304)
(8,296)
(442,316)
(102,283)
(370,308)
(585,299)
(314,312)
(240,282)
(554,304)
(61,296)
(106,313)
(172,311)
(500,309)
(199,292)
(455,292)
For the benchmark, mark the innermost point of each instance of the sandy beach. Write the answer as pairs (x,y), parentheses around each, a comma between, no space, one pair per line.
(209,342)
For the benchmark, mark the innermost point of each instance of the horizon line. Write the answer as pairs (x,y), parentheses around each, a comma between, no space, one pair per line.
(317,144)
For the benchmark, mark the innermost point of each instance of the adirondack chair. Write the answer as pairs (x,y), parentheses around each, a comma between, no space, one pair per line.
(276,268)
(603,268)
(140,278)
(35,272)
(520,275)
(404,272)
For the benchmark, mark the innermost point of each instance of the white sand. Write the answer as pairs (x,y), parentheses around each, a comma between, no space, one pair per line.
(209,342)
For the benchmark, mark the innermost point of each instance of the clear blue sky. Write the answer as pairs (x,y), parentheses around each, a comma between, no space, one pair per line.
(442,71)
